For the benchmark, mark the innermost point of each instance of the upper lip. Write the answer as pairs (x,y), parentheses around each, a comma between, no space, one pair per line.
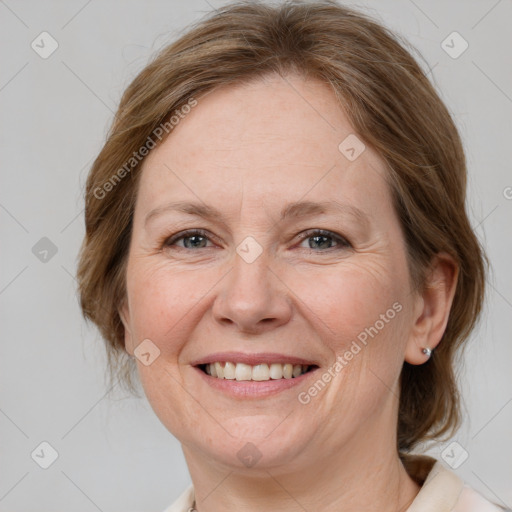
(251,359)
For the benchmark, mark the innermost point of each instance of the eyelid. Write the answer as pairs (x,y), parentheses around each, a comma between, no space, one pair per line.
(341,241)
(168,241)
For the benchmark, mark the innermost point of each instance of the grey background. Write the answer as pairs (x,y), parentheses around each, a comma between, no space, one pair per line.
(113,452)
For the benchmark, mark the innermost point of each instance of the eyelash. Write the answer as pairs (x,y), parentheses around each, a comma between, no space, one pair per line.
(342,243)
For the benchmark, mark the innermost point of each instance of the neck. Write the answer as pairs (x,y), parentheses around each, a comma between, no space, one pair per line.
(363,476)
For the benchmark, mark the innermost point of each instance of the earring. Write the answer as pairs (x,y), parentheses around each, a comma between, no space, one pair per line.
(427,351)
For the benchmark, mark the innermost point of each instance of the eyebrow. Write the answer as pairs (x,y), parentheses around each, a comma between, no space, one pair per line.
(292,210)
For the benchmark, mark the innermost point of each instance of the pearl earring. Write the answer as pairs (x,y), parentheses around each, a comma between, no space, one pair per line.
(427,351)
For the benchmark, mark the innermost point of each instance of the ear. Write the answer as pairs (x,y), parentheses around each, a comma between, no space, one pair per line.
(124,314)
(432,309)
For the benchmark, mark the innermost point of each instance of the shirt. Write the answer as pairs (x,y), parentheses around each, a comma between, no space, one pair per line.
(441,490)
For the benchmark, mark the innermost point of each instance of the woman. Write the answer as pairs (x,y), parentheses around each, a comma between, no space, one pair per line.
(277,237)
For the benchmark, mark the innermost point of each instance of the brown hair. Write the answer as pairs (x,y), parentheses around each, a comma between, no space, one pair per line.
(391,104)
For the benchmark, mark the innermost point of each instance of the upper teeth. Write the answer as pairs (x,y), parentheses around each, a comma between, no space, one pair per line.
(241,371)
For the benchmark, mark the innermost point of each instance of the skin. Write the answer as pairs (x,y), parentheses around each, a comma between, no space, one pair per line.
(248,150)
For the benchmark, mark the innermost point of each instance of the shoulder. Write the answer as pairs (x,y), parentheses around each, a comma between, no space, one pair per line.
(442,490)
(471,501)
(184,503)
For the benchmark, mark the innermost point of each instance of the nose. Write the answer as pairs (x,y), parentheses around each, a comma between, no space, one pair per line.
(252,298)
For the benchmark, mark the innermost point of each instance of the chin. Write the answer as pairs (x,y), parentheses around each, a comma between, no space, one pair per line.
(255,442)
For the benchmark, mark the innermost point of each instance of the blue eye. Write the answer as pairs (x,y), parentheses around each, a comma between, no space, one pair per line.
(192,239)
(317,239)
(323,239)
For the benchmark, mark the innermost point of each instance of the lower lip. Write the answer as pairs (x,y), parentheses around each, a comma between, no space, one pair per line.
(251,388)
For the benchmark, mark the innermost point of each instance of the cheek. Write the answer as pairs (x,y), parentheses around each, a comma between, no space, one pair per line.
(350,300)
(164,302)
(360,316)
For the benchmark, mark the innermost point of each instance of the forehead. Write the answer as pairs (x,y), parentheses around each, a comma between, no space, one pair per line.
(275,139)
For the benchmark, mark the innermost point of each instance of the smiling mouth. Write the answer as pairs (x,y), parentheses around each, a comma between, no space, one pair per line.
(227,370)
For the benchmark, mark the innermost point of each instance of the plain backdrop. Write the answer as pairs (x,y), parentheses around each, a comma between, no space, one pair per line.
(113,453)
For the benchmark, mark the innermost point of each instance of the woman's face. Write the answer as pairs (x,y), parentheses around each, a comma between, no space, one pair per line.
(258,169)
